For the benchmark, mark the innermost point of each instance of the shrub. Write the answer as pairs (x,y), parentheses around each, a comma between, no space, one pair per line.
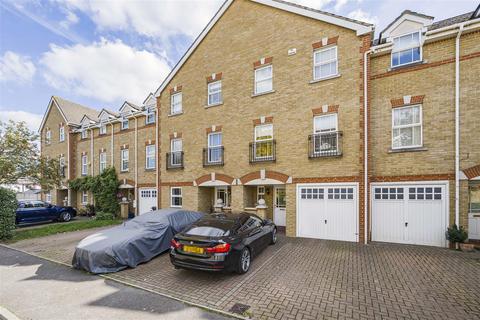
(8,207)
(89,210)
(104,216)
(456,235)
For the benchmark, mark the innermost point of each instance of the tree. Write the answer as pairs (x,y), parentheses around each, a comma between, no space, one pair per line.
(20,157)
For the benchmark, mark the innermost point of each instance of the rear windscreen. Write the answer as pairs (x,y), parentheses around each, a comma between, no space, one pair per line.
(207,231)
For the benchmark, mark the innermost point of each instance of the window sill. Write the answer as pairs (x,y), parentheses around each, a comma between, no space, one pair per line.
(326,78)
(213,105)
(149,169)
(149,124)
(124,171)
(175,206)
(175,114)
(408,65)
(414,149)
(262,94)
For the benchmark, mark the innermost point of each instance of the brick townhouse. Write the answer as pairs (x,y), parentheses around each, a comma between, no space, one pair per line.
(342,135)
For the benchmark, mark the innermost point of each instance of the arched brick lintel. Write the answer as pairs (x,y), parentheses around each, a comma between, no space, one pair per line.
(274,175)
(472,172)
(218,177)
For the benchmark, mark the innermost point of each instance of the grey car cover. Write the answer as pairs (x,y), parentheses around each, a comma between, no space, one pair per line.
(133,242)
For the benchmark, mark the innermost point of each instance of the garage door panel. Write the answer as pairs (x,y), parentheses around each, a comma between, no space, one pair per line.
(425,225)
(340,216)
(147,200)
(327,212)
(409,213)
(388,213)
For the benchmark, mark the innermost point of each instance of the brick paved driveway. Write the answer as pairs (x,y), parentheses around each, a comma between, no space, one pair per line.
(315,279)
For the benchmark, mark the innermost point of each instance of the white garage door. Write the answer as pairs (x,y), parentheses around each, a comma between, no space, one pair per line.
(410,213)
(327,212)
(148,200)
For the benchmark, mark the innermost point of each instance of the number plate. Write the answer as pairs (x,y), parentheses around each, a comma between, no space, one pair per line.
(191,249)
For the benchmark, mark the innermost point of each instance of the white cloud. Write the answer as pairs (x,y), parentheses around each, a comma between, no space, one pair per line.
(149,18)
(106,70)
(32,120)
(361,15)
(70,19)
(17,68)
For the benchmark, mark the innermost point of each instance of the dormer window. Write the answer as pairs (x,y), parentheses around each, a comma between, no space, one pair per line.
(103,129)
(406,49)
(62,134)
(125,123)
(150,115)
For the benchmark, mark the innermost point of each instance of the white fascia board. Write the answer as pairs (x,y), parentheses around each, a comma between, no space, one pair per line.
(359,28)
(194,45)
(414,18)
(50,103)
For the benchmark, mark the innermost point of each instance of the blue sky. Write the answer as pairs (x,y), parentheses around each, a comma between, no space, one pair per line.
(100,53)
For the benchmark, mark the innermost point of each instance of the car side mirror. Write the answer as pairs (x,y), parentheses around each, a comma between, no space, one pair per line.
(49,205)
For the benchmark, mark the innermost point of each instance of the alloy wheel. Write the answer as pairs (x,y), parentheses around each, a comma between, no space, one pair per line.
(66,217)
(245,260)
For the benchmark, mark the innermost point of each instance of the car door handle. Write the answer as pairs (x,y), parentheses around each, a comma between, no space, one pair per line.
(406,224)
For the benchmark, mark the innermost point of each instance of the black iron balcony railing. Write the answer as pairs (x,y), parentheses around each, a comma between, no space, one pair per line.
(213,156)
(325,144)
(174,160)
(262,151)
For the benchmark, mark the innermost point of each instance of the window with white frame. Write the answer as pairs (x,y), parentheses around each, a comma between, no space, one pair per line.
(407,127)
(406,49)
(325,63)
(102,161)
(214,93)
(48,197)
(225,194)
(61,162)
(84,133)
(61,134)
(150,156)
(263,141)
(84,165)
(103,129)
(215,147)
(176,103)
(263,79)
(150,115)
(124,124)
(325,133)
(260,193)
(176,197)
(84,197)
(48,137)
(124,160)
(176,146)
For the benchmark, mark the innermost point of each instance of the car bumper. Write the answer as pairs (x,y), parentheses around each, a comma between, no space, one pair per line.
(219,262)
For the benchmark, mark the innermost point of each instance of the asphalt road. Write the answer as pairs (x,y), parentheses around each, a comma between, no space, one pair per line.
(33,288)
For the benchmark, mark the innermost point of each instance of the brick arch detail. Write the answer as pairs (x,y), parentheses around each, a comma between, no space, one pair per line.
(127,181)
(218,176)
(472,172)
(268,175)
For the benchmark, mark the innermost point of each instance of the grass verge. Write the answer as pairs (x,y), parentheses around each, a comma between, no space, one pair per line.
(55,228)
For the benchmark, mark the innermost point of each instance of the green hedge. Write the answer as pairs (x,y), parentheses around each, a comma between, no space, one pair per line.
(8,207)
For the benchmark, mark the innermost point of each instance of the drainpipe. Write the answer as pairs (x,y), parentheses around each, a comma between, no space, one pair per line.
(69,192)
(111,147)
(365,142)
(157,155)
(457,125)
(136,167)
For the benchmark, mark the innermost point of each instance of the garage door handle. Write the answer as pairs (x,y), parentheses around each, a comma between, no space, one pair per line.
(406,224)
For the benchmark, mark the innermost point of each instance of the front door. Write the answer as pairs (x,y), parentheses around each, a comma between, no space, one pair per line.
(279,211)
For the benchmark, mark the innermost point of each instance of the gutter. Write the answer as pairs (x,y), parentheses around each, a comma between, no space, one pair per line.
(457,124)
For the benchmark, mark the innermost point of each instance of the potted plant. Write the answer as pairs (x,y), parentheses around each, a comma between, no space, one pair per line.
(457,236)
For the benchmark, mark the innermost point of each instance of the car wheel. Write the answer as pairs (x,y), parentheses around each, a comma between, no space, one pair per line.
(273,239)
(66,216)
(244,261)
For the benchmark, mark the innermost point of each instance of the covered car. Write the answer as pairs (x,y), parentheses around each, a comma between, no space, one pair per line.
(133,242)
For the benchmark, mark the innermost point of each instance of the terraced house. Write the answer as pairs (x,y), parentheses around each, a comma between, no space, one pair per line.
(308,119)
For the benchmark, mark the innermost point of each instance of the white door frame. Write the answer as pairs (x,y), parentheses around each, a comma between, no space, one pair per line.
(341,184)
(274,205)
(445,183)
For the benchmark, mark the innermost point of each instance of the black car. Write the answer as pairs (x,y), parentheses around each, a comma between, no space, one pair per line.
(222,242)
(30,211)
